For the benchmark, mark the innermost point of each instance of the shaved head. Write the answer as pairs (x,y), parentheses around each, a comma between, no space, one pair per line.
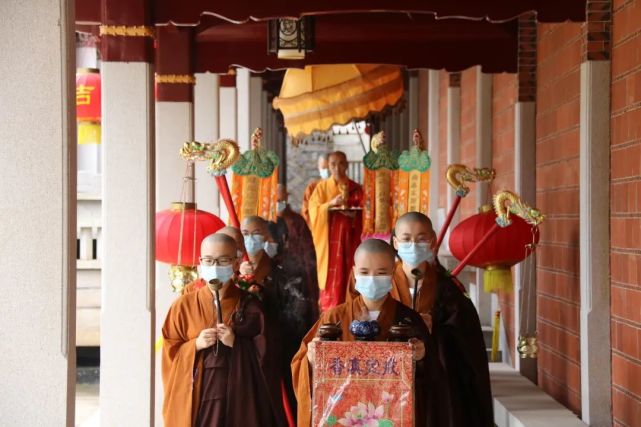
(414,217)
(338,165)
(337,154)
(235,234)
(376,246)
(254,220)
(374,257)
(414,227)
(218,244)
(254,225)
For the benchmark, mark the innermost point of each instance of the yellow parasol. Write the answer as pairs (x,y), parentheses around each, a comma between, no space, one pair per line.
(319,96)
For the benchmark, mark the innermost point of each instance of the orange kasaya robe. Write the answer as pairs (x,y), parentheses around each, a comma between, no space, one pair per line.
(401,291)
(309,190)
(336,237)
(392,312)
(230,384)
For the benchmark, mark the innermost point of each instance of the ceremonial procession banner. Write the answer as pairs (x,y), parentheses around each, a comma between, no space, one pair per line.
(414,178)
(381,188)
(363,384)
(255,181)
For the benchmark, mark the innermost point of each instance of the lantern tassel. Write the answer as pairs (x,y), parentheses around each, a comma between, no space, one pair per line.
(497,279)
(495,336)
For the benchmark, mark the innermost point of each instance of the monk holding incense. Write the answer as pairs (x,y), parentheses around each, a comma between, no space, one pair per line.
(298,254)
(452,319)
(374,265)
(214,349)
(289,307)
(335,229)
(235,234)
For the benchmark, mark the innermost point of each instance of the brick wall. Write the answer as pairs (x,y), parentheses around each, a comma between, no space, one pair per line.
(557,188)
(468,134)
(504,95)
(625,208)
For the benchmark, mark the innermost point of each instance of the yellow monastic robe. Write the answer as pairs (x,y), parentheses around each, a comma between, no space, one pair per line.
(334,232)
(324,192)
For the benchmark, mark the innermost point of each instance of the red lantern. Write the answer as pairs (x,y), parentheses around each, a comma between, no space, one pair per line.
(196,225)
(88,95)
(507,246)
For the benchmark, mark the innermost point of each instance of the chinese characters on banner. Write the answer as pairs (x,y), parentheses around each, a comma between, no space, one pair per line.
(363,383)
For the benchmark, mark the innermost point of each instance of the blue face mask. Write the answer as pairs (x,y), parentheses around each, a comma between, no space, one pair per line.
(373,287)
(271,249)
(281,205)
(254,243)
(415,253)
(324,173)
(222,273)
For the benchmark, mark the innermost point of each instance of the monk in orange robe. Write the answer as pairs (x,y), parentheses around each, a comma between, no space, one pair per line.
(336,232)
(289,306)
(235,234)
(323,172)
(465,397)
(374,264)
(213,372)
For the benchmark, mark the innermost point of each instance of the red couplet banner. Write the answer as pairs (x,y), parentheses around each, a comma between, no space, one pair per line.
(363,384)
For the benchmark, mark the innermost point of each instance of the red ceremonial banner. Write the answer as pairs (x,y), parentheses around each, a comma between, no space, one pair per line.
(363,384)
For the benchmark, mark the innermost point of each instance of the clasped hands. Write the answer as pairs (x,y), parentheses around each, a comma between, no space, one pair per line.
(209,336)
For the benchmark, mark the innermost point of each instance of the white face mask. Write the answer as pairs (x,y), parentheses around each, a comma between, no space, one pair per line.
(324,173)
(222,273)
(271,249)
(254,244)
(373,287)
(281,205)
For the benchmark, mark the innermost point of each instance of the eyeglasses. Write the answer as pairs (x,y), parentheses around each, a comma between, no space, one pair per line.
(222,261)
(429,242)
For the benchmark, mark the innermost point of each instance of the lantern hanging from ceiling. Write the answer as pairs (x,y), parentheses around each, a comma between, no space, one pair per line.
(179,232)
(506,247)
(88,98)
(291,38)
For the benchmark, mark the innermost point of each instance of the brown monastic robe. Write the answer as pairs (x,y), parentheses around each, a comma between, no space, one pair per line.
(288,310)
(465,398)
(223,389)
(401,291)
(392,312)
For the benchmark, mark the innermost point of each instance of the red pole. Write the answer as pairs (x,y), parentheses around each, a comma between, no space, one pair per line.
(448,220)
(286,406)
(223,187)
(476,248)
